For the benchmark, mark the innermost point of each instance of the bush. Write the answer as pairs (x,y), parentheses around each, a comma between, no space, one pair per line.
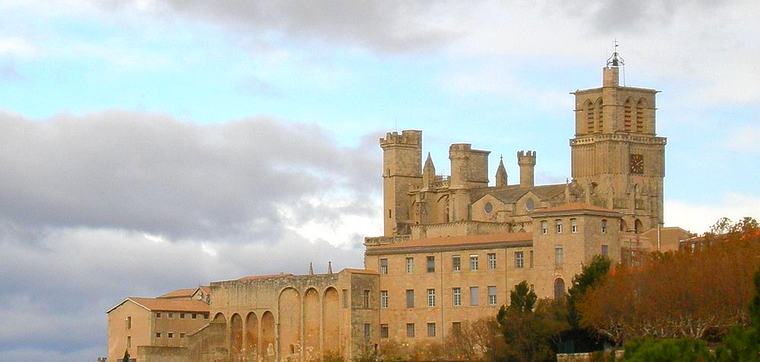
(666,350)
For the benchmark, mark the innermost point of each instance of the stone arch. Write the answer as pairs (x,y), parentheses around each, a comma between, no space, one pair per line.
(599,106)
(559,288)
(236,336)
(623,225)
(251,344)
(628,114)
(588,106)
(331,321)
(289,314)
(219,318)
(268,346)
(311,321)
(637,226)
(641,115)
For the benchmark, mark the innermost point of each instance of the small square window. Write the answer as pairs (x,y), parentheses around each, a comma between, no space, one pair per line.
(383,299)
(573,226)
(410,298)
(383,331)
(456,296)
(431,329)
(410,265)
(182,316)
(491,261)
(431,297)
(544,227)
(171,315)
(410,330)
(170,335)
(491,295)
(456,263)
(519,259)
(194,316)
(473,263)
(158,334)
(558,226)
(605,250)
(181,335)
(383,266)
(431,264)
(604,226)
(158,315)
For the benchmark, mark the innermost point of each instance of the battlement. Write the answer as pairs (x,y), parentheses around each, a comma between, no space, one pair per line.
(406,138)
(526,158)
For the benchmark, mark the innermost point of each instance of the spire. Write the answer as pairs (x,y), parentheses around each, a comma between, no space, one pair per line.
(428,172)
(501,173)
(311,268)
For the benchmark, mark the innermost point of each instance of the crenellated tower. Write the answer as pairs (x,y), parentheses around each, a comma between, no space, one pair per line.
(616,155)
(402,155)
(527,162)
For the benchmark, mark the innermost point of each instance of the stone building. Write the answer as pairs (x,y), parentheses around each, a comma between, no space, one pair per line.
(454,246)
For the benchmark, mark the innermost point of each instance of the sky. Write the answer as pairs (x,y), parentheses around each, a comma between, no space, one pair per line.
(149,145)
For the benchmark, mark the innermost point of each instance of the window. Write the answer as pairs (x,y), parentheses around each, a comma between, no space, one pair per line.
(205,315)
(544,227)
(558,226)
(171,315)
(181,335)
(129,322)
(365,299)
(573,226)
(129,341)
(410,298)
(531,258)
(158,334)
(158,315)
(491,261)
(383,266)
(170,335)
(367,330)
(194,316)
(410,265)
(410,330)
(431,264)
(558,256)
(605,250)
(345,298)
(473,263)
(518,259)
(474,296)
(383,299)
(456,327)
(491,295)
(431,297)
(431,329)
(604,226)
(457,296)
(182,316)
(383,331)
(456,263)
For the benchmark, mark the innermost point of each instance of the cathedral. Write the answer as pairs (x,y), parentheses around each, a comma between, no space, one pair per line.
(453,248)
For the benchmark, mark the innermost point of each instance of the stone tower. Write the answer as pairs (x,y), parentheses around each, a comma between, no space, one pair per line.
(402,157)
(616,155)
(527,162)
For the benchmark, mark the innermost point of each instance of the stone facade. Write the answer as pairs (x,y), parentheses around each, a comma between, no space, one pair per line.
(452,247)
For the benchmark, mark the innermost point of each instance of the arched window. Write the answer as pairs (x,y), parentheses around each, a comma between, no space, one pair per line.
(623,225)
(599,116)
(559,288)
(589,117)
(640,108)
(627,115)
(637,226)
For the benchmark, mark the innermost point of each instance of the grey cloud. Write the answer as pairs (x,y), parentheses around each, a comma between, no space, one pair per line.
(388,26)
(152,173)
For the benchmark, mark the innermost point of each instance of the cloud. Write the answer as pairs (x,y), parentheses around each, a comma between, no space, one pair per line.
(744,139)
(16,47)
(698,218)
(152,173)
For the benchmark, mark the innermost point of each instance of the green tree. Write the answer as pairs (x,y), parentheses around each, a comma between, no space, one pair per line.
(590,276)
(667,350)
(743,343)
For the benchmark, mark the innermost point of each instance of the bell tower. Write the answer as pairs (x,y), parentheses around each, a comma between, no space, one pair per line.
(616,154)
(402,158)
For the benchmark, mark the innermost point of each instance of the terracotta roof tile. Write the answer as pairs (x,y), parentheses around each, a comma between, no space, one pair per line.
(458,241)
(573,206)
(171,305)
(179,293)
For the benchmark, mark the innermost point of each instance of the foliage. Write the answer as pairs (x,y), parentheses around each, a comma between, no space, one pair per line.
(476,341)
(677,295)
(740,344)
(522,298)
(531,335)
(667,350)
(591,274)
(332,356)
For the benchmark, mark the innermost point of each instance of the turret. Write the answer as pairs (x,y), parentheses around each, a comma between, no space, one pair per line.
(402,155)
(501,174)
(527,162)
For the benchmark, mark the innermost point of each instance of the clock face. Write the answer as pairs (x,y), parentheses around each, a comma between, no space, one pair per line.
(637,163)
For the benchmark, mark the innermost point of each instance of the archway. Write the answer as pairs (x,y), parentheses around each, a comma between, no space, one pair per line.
(251,337)
(559,288)
(267,337)
(637,226)
(236,336)
(331,320)
(289,314)
(311,318)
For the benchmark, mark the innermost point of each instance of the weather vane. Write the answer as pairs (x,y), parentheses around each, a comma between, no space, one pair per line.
(615,60)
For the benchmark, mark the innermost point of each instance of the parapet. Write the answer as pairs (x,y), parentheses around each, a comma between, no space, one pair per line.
(407,138)
(526,158)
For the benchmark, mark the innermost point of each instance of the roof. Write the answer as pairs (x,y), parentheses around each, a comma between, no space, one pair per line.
(454,242)
(512,193)
(265,276)
(574,207)
(179,293)
(167,304)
